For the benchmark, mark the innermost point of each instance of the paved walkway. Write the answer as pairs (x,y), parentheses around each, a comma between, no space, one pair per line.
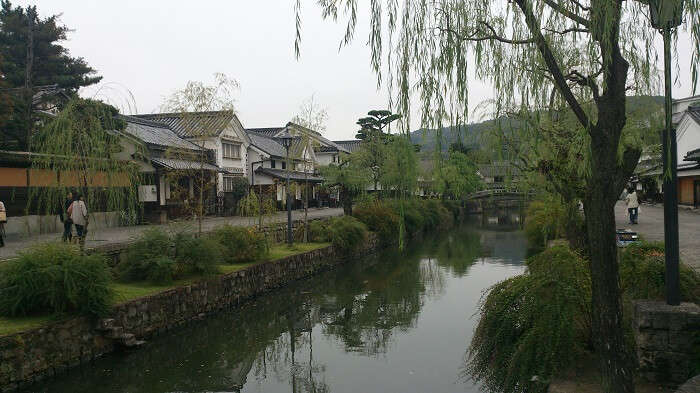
(651,227)
(108,236)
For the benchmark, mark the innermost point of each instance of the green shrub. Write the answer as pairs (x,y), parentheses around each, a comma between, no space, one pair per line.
(149,258)
(346,233)
(454,207)
(318,231)
(381,219)
(55,278)
(534,324)
(436,215)
(544,221)
(643,274)
(240,245)
(196,255)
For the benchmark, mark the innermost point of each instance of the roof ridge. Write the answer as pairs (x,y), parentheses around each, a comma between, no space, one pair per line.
(180,114)
(143,121)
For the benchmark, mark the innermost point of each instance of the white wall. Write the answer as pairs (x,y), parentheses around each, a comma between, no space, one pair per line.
(688,137)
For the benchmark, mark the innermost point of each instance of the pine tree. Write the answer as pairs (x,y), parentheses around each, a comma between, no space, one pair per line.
(25,68)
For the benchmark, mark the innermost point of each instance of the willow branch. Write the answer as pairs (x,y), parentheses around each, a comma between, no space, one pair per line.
(551,62)
(569,14)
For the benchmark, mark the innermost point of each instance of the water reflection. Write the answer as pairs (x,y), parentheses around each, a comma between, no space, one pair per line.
(394,322)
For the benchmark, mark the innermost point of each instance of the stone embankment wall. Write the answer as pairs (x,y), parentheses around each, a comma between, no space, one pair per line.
(32,355)
(668,340)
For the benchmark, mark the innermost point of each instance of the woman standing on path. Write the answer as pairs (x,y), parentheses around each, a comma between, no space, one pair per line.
(3,220)
(79,214)
(632,205)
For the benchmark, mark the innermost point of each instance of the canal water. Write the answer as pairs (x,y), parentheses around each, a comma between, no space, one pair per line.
(395,322)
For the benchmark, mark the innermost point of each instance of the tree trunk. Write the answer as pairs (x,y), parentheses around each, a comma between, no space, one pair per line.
(616,362)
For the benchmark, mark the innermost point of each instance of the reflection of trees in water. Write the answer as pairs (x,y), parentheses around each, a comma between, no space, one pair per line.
(362,305)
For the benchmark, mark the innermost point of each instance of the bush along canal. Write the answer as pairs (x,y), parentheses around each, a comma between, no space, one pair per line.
(397,321)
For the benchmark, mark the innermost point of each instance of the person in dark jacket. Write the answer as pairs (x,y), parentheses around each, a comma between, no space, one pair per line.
(66,219)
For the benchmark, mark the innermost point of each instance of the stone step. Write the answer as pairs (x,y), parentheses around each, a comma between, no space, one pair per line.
(115,332)
(105,324)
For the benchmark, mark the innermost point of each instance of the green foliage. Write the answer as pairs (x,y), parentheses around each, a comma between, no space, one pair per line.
(240,245)
(318,231)
(149,258)
(456,176)
(351,177)
(55,278)
(381,219)
(544,221)
(400,169)
(346,233)
(51,65)
(643,274)
(196,255)
(532,326)
(435,214)
(80,145)
(161,257)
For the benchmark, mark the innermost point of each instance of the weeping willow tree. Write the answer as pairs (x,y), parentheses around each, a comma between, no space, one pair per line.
(77,151)
(187,104)
(535,53)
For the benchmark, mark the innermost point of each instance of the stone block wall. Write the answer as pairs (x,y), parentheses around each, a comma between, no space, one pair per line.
(32,355)
(668,340)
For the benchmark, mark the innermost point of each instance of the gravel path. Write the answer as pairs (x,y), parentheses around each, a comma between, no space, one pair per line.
(107,236)
(651,227)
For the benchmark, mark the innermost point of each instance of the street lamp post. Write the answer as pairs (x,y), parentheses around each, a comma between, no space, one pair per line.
(665,16)
(286,138)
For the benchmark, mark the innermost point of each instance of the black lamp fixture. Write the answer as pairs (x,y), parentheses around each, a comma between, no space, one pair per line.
(665,16)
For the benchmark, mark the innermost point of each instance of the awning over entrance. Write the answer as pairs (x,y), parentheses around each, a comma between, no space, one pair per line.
(175,164)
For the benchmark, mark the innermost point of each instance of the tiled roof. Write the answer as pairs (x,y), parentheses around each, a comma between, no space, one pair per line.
(193,124)
(351,145)
(694,112)
(498,169)
(153,133)
(266,144)
(693,155)
(267,131)
(293,175)
(173,163)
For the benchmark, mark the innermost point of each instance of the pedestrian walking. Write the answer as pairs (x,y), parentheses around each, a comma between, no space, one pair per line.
(3,220)
(79,214)
(632,205)
(66,218)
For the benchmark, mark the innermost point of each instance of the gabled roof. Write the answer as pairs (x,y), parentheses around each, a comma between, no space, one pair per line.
(350,146)
(694,113)
(193,124)
(155,134)
(267,131)
(267,144)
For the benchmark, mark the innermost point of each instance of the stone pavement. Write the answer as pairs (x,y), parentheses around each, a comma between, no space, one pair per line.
(651,227)
(108,236)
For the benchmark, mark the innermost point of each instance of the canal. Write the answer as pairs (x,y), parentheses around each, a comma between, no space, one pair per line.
(394,322)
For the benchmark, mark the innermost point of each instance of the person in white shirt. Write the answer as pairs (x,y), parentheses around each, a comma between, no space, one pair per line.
(79,214)
(632,205)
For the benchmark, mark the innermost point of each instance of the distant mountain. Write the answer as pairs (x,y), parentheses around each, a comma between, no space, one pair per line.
(474,134)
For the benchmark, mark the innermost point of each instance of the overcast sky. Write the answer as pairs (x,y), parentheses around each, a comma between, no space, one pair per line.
(149,48)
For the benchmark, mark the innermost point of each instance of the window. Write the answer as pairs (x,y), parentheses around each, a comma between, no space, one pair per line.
(228,184)
(231,150)
(273,164)
(284,165)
